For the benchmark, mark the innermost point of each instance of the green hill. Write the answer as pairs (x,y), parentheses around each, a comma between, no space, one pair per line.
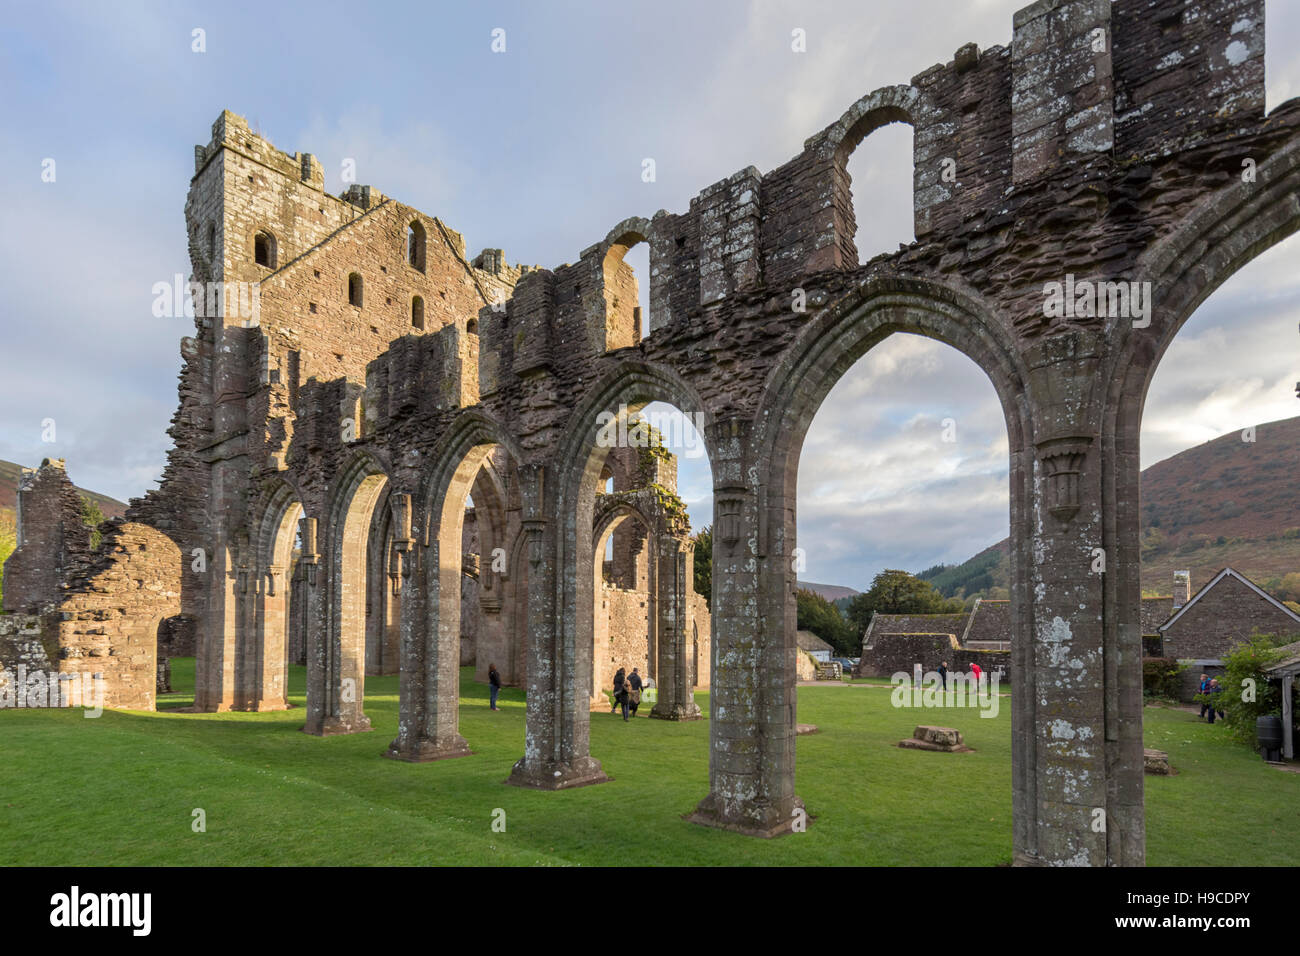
(1226,502)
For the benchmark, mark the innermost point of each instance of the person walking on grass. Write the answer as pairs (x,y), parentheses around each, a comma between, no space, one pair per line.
(494,684)
(943,675)
(620,693)
(1203,688)
(1215,694)
(978,672)
(634,686)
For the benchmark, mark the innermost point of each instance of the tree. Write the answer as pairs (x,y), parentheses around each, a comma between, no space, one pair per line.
(1288,588)
(92,517)
(823,618)
(898,592)
(1247,692)
(8,541)
(704,565)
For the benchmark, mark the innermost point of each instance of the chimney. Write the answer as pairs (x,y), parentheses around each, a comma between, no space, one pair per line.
(1182,588)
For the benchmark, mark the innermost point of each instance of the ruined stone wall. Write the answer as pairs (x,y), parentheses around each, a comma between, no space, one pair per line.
(1223,617)
(891,654)
(28,646)
(628,628)
(106,623)
(702,638)
(470,616)
(1107,140)
(109,621)
(53,541)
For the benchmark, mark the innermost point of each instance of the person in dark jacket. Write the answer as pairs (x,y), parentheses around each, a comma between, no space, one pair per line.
(494,684)
(943,674)
(620,693)
(634,686)
(1215,693)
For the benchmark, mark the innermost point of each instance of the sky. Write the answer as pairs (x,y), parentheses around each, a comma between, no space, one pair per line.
(538,150)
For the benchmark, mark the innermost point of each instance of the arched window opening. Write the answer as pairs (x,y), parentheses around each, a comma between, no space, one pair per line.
(264,250)
(1220,409)
(417,313)
(879,173)
(471,326)
(900,513)
(354,289)
(653,503)
(212,242)
(415,243)
(638,260)
(627,307)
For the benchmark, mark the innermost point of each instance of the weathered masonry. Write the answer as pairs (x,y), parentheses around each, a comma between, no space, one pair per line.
(388,373)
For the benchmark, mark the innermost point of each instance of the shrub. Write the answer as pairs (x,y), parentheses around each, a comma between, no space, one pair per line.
(1160,677)
(1247,693)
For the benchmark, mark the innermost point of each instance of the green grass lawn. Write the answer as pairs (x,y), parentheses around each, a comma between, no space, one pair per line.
(121,789)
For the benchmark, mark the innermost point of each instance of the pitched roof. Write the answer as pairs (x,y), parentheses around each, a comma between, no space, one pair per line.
(990,620)
(917,624)
(1229,572)
(809,641)
(1290,660)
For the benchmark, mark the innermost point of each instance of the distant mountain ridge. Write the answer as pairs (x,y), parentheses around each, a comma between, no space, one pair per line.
(831,592)
(10,474)
(1227,502)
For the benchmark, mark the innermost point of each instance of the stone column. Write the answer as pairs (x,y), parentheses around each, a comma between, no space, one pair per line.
(751,704)
(557,751)
(674,563)
(1077,677)
(429,712)
(269,654)
(335,682)
(214,665)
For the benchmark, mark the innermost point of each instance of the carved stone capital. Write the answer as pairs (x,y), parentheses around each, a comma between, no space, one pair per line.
(1062,461)
(731,503)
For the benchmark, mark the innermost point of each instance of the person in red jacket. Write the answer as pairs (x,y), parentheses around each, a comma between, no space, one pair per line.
(979,673)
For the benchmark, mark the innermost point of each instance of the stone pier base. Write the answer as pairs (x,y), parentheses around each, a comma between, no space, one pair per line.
(707,815)
(583,773)
(426,751)
(334,726)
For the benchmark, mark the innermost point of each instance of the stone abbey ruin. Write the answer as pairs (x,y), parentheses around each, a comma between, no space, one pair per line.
(388,379)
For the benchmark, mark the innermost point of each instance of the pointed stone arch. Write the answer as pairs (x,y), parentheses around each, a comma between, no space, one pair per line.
(757,515)
(337,647)
(265,656)
(428,725)
(557,749)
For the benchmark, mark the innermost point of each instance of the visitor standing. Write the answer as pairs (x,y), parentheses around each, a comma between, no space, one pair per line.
(1215,695)
(620,692)
(978,672)
(943,674)
(634,686)
(494,684)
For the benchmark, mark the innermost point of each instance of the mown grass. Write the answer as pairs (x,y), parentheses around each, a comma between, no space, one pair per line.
(121,789)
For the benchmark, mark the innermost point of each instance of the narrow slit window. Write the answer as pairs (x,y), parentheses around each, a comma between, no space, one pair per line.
(415,244)
(354,289)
